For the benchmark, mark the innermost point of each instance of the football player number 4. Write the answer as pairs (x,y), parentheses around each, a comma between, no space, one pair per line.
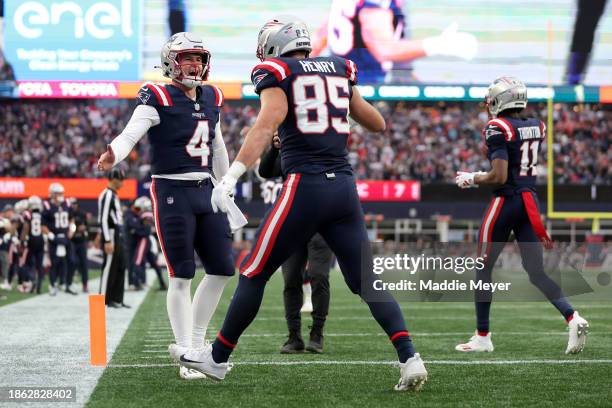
(198,144)
(311,94)
(529,158)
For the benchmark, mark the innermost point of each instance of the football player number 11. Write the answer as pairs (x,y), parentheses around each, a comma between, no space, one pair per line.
(529,158)
(198,144)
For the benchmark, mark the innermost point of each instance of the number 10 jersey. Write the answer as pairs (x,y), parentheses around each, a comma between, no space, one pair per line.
(315,131)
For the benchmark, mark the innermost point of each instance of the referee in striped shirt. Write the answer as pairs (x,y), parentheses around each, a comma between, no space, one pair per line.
(110,218)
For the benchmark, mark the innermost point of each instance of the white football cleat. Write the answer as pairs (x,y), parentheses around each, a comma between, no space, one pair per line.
(185,373)
(201,360)
(477,343)
(189,374)
(53,290)
(413,374)
(578,330)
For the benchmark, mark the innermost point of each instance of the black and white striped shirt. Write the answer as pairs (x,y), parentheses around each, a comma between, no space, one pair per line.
(110,216)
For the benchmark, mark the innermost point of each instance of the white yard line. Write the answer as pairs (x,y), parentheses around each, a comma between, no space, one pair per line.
(45,341)
(366,363)
(409,318)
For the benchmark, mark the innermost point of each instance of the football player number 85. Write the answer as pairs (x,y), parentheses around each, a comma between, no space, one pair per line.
(198,144)
(311,94)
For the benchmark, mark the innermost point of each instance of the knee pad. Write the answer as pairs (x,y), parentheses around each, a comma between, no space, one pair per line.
(223,266)
(184,269)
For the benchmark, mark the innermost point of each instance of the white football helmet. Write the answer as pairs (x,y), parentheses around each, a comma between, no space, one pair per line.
(506,92)
(35,203)
(56,192)
(21,206)
(182,43)
(143,203)
(277,38)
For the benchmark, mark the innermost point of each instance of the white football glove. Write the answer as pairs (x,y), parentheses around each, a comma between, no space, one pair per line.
(465,179)
(223,192)
(452,43)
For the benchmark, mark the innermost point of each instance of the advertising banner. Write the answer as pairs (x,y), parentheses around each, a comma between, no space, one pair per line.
(370,190)
(70,40)
(77,188)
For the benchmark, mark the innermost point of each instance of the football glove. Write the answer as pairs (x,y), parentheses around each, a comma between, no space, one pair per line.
(223,192)
(452,43)
(466,179)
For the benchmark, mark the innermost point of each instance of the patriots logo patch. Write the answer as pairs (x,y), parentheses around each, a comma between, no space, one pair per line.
(144,96)
(492,132)
(258,78)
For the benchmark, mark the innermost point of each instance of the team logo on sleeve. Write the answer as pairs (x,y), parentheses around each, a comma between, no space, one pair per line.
(258,78)
(492,132)
(144,96)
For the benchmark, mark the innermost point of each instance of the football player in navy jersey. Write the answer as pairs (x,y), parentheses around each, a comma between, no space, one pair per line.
(513,143)
(184,127)
(308,100)
(372,33)
(57,217)
(35,240)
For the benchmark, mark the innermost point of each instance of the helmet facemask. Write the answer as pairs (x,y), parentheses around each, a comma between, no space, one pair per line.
(189,72)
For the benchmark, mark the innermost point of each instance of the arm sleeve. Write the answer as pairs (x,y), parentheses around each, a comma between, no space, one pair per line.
(220,162)
(143,118)
(496,142)
(269,165)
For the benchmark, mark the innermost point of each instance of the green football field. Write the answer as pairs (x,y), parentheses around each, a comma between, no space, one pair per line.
(528,367)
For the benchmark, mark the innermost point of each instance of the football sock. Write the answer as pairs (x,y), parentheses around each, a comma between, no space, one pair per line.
(243,309)
(205,303)
(389,316)
(178,303)
(482,316)
(550,288)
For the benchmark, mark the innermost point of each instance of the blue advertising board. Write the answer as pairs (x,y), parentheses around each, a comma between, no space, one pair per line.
(74,40)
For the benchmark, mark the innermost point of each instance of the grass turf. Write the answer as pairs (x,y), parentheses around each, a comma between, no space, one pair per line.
(521,331)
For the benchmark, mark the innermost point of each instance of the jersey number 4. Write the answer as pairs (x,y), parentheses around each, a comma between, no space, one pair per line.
(198,144)
(312,111)
(529,158)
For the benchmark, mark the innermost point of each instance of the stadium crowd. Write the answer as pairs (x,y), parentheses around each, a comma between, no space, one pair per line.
(423,141)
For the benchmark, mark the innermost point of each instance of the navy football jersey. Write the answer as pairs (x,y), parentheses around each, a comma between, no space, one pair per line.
(345,39)
(181,142)
(35,237)
(315,131)
(57,218)
(519,142)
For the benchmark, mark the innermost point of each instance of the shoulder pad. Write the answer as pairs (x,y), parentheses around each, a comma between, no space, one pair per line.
(502,124)
(154,95)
